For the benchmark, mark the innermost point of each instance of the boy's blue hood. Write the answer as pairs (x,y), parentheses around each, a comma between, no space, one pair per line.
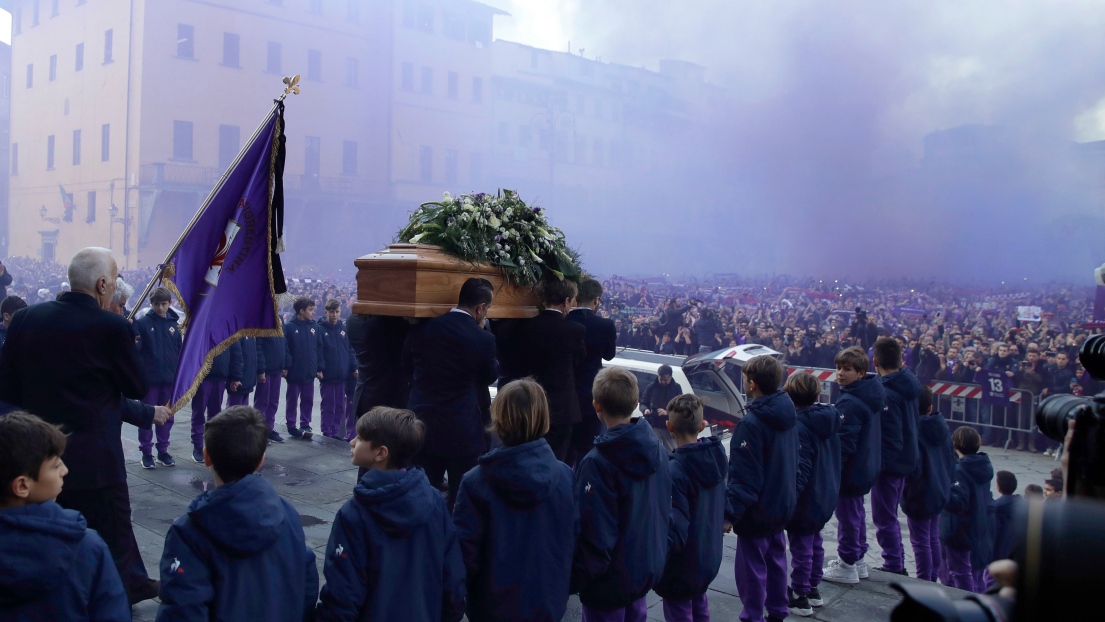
(776,410)
(523,475)
(171,316)
(904,383)
(869,391)
(821,419)
(398,500)
(977,467)
(705,461)
(933,430)
(38,543)
(244,517)
(632,447)
(1006,504)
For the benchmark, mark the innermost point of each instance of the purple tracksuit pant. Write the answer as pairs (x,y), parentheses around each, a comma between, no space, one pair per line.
(635,612)
(267,398)
(302,393)
(761,574)
(207,403)
(237,399)
(924,535)
(696,609)
(807,559)
(349,424)
(851,529)
(885,497)
(159,395)
(960,573)
(333,408)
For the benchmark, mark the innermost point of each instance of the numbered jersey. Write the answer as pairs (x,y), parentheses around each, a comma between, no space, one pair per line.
(996,387)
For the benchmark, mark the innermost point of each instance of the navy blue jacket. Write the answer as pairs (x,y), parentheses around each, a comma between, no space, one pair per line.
(337,353)
(1005,536)
(899,422)
(274,351)
(238,554)
(965,522)
(393,554)
(697,514)
(601,343)
(927,489)
(517,523)
(657,396)
(3,335)
(623,491)
(55,568)
(228,365)
(159,342)
(861,403)
(303,340)
(253,364)
(763,467)
(818,468)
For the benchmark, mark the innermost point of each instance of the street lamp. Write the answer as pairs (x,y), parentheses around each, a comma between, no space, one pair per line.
(42,215)
(113,212)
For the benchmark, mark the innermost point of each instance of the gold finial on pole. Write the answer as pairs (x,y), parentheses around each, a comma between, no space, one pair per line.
(291,86)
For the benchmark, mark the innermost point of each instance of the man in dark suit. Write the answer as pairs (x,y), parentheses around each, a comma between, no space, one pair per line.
(74,364)
(452,361)
(551,350)
(377,342)
(601,343)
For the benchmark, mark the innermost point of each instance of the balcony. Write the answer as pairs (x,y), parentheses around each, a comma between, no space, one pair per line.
(170,176)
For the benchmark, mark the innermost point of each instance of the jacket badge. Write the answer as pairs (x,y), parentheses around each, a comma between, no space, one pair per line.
(312,331)
(172,330)
(744,444)
(587,488)
(175,567)
(339,552)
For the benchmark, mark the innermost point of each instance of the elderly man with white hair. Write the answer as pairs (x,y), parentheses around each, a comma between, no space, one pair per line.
(74,364)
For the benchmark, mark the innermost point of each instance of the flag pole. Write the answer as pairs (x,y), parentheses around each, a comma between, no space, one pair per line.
(291,87)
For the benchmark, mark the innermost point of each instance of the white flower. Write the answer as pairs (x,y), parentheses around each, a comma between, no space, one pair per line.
(447,199)
(416,238)
(494,222)
(506,247)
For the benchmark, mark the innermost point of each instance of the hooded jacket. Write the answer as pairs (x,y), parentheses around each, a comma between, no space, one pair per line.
(1005,536)
(927,489)
(303,339)
(517,523)
(228,365)
(337,354)
(763,467)
(861,403)
(623,492)
(393,554)
(55,568)
(697,513)
(818,468)
(965,522)
(275,353)
(238,554)
(899,422)
(253,364)
(159,342)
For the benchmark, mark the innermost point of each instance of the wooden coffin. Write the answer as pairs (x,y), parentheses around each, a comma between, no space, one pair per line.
(420,280)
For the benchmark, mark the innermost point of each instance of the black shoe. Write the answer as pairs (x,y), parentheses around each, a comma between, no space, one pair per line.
(197,455)
(164,459)
(899,572)
(815,597)
(274,437)
(148,590)
(307,432)
(771,618)
(294,432)
(799,604)
(147,461)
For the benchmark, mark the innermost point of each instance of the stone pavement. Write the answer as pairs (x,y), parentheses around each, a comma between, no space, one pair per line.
(317,477)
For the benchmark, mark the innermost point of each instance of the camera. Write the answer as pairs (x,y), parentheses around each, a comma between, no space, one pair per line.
(861,315)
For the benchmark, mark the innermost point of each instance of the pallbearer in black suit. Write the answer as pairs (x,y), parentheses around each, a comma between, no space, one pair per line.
(452,360)
(601,341)
(551,350)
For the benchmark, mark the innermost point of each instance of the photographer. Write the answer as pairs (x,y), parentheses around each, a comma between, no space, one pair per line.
(707,328)
(928,363)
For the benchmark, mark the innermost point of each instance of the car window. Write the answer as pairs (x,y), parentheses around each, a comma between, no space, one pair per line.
(644,379)
(713,396)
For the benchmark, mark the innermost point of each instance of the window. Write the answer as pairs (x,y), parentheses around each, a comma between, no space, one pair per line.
(50,153)
(426,18)
(349,158)
(454,85)
(229,143)
(315,7)
(407,83)
(426,164)
(477,90)
(598,153)
(76,147)
(185,41)
(314,65)
(53,67)
(525,136)
(352,72)
(312,155)
(79,65)
(34,14)
(232,44)
(105,142)
(504,134)
(453,26)
(451,158)
(409,15)
(475,169)
(30,75)
(182,140)
(91,217)
(107,46)
(54,8)
(353,11)
(479,33)
(272,64)
(15,159)
(427,81)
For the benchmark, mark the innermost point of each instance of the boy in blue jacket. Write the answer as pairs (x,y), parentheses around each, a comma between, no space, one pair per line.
(623,492)
(1005,509)
(239,553)
(208,400)
(159,342)
(304,364)
(339,364)
(927,489)
(698,513)
(273,351)
(763,490)
(393,552)
(965,528)
(55,568)
(819,488)
(253,369)
(516,516)
(861,403)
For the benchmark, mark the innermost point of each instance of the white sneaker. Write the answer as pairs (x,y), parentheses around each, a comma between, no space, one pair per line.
(861,569)
(839,572)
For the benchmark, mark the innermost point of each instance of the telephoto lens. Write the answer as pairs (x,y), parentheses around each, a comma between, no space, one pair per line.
(1055,411)
(1092,356)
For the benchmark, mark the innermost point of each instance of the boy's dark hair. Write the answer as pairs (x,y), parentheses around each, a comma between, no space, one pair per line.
(766,371)
(1056,484)
(332,304)
(853,358)
(1057,473)
(160,294)
(26,442)
(888,353)
(685,414)
(395,428)
(302,303)
(803,389)
(1032,490)
(1007,482)
(616,390)
(236,440)
(589,290)
(966,440)
(924,401)
(475,292)
(664,370)
(555,291)
(11,304)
